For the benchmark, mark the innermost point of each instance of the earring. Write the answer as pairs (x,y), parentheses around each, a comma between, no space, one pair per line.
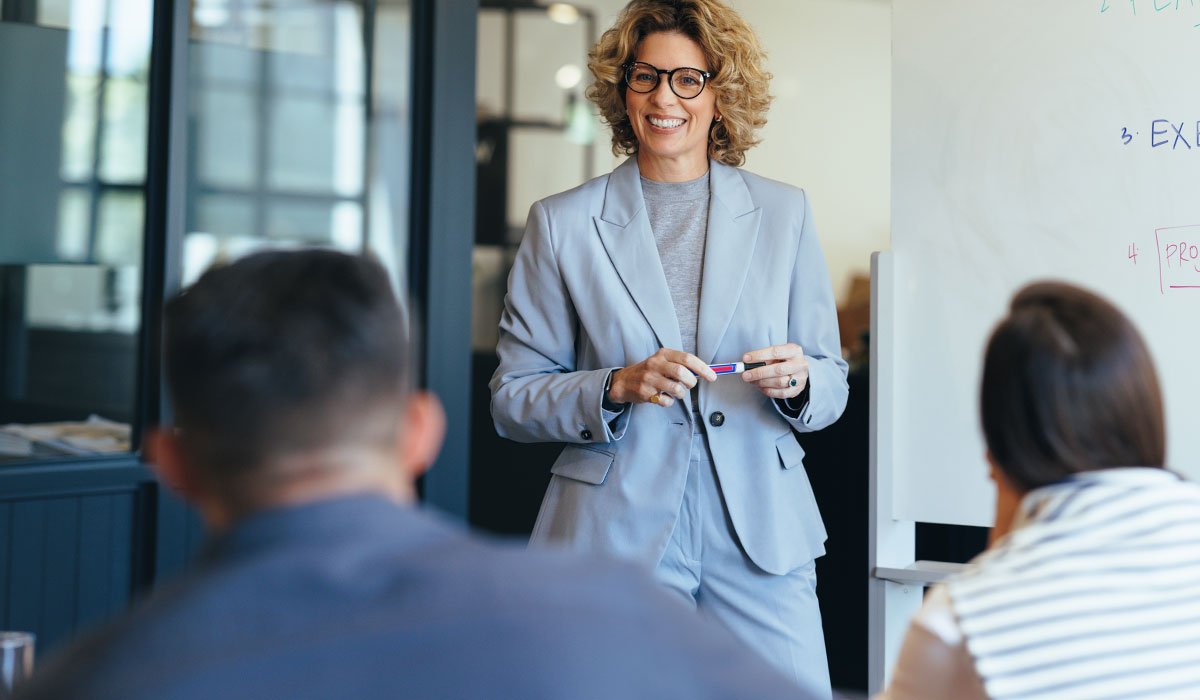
(718,117)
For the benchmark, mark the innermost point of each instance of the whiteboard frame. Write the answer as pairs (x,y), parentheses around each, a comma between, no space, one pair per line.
(891,542)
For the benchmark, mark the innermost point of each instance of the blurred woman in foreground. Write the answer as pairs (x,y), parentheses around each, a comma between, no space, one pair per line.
(1091,585)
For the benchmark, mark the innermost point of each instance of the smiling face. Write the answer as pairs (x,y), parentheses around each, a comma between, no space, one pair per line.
(672,133)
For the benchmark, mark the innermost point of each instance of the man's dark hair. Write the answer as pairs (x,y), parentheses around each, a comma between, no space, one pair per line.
(285,352)
(1069,386)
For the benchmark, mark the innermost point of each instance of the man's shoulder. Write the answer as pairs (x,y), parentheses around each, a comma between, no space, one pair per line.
(449,612)
(607,622)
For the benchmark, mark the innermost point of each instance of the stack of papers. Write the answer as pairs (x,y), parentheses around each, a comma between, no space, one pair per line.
(96,435)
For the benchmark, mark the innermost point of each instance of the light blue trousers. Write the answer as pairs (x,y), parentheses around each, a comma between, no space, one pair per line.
(777,616)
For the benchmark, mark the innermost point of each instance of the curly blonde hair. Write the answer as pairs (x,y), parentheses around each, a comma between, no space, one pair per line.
(734,57)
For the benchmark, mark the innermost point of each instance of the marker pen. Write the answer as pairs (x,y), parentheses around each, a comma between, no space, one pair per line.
(735,367)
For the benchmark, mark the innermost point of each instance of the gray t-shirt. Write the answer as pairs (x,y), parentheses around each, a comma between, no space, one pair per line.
(678,214)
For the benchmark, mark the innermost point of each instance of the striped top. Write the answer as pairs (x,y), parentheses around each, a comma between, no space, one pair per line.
(1095,594)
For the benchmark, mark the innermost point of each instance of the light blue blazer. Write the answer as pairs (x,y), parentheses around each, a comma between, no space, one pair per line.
(587,295)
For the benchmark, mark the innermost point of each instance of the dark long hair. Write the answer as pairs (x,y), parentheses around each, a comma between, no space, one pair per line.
(1068,386)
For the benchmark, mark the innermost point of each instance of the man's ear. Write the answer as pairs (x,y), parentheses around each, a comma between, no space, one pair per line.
(422,429)
(166,457)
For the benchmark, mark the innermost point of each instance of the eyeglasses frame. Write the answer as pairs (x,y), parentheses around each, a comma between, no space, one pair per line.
(628,68)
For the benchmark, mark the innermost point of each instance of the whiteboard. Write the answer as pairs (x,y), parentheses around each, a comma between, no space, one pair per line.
(1036,139)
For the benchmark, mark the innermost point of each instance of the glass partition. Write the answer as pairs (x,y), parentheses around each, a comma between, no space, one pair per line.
(74,89)
(299,119)
(297,134)
(536,135)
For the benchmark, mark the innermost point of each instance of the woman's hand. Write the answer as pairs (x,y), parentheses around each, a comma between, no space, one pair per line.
(786,373)
(662,378)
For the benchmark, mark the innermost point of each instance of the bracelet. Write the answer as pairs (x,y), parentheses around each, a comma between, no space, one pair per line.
(607,402)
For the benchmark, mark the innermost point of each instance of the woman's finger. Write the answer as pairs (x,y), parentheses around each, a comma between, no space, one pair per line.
(685,362)
(774,353)
(776,369)
(668,376)
(655,384)
(684,375)
(779,383)
(698,367)
(782,394)
(661,399)
(673,388)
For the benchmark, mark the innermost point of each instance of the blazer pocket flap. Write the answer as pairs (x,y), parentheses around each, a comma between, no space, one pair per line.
(583,464)
(791,454)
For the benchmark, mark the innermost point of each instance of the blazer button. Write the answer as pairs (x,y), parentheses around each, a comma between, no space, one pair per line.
(716,419)
(585,434)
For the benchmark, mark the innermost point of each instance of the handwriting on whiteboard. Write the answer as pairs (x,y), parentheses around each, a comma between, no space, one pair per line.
(1138,8)
(1165,134)
(1178,257)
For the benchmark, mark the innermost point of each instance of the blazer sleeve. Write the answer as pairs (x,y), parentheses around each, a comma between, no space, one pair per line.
(813,325)
(538,393)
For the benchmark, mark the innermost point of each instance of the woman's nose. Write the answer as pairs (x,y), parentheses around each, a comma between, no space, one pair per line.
(662,93)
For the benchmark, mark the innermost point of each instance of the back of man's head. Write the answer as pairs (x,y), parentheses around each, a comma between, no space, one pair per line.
(282,355)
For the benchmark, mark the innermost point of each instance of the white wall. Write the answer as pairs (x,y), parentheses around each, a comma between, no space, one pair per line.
(829,128)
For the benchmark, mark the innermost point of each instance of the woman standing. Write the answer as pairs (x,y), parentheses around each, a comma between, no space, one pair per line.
(623,292)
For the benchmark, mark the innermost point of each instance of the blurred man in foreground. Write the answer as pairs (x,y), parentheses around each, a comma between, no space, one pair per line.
(298,438)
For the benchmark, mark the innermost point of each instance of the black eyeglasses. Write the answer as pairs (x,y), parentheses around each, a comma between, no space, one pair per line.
(685,82)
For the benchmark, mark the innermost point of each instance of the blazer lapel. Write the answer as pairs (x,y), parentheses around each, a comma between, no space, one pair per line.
(624,229)
(732,232)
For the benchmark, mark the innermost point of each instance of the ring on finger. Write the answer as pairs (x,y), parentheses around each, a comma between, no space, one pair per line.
(654,398)
(792,381)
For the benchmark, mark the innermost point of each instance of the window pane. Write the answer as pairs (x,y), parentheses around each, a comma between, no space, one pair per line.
(83,297)
(542,47)
(532,130)
(123,155)
(74,224)
(72,179)
(119,228)
(391,154)
(231,215)
(79,127)
(226,138)
(128,55)
(490,80)
(278,104)
(540,162)
(54,13)
(316,223)
(301,155)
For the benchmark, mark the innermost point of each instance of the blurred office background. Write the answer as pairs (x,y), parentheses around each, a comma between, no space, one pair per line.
(142,141)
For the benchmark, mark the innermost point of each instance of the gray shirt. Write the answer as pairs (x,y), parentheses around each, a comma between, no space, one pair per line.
(678,214)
